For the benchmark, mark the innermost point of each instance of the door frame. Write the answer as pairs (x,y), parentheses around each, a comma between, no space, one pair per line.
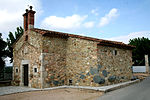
(24,62)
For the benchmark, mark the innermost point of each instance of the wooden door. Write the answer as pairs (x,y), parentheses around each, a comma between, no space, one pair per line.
(26,80)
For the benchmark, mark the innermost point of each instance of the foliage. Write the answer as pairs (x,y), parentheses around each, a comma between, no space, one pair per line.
(6,74)
(8,69)
(142,48)
(3,45)
(11,40)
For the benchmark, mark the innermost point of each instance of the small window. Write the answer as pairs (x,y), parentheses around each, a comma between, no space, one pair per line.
(70,81)
(35,70)
(16,70)
(26,37)
(114,52)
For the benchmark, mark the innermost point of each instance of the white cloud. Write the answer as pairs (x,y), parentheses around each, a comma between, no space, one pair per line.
(113,13)
(89,24)
(132,35)
(11,12)
(95,12)
(7,61)
(64,23)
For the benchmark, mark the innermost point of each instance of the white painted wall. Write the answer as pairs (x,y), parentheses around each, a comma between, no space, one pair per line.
(139,69)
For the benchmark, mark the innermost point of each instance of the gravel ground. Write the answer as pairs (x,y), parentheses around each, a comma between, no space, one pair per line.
(57,94)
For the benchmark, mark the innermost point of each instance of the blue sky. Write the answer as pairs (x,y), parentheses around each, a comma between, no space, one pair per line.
(131,15)
(118,20)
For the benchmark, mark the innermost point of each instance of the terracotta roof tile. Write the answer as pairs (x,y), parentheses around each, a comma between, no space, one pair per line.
(100,41)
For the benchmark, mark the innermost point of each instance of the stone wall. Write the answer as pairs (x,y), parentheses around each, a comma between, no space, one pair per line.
(54,61)
(75,61)
(28,50)
(17,53)
(81,57)
(114,64)
(70,61)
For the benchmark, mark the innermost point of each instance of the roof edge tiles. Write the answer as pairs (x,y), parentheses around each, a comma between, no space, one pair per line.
(100,41)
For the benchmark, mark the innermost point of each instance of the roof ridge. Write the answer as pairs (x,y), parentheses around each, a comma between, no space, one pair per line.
(76,35)
(101,41)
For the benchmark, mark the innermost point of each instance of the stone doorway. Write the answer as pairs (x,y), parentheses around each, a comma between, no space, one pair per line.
(26,75)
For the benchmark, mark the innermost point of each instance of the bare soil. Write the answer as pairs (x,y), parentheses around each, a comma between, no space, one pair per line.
(141,76)
(58,94)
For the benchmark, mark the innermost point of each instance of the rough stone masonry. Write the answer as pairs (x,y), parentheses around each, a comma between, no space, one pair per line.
(56,59)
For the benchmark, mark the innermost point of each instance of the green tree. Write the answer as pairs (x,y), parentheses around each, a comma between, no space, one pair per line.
(12,39)
(142,48)
(3,46)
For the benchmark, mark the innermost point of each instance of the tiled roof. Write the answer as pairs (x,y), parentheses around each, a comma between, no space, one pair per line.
(100,41)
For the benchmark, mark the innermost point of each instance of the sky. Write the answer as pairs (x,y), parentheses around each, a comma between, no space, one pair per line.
(117,20)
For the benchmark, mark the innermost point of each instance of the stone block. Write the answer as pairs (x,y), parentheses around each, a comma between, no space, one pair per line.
(104,73)
(82,76)
(98,79)
(88,74)
(99,67)
(56,83)
(93,71)
(112,78)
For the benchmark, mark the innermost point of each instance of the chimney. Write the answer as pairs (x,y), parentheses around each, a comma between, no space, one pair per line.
(25,18)
(29,19)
